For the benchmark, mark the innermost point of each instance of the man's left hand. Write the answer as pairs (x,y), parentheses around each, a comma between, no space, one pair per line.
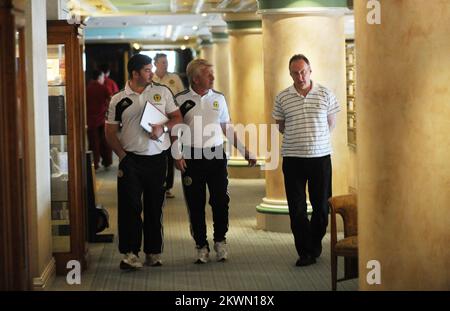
(157,131)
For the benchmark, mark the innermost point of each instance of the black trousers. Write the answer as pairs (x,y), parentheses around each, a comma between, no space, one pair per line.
(199,174)
(316,172)
(141,178)
(99,146)
(170,171)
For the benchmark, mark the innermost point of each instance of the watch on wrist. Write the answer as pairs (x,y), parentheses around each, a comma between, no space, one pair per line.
(165,128)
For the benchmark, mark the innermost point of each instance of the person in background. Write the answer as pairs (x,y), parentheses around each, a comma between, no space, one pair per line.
(174,83)
(306,114)
(97,100)
(110,84)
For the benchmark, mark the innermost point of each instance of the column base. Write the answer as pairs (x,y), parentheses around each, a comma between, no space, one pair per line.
(238,168)
(273,215)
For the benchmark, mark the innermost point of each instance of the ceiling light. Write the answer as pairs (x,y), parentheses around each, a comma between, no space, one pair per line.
(136,46)
(195,27)
(186,37)
(183,47)
(204,14)
(169,29)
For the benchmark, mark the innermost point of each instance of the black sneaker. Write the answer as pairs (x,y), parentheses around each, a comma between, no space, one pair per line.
(305,261)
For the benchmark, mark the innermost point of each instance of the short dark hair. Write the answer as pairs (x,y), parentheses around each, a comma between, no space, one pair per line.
(158,56)
(137,62)
(104,68)
(297,57)
(95,74)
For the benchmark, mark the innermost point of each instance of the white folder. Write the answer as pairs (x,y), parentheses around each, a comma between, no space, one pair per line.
(152,115)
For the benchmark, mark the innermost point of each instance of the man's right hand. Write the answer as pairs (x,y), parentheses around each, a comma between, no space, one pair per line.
(181,165)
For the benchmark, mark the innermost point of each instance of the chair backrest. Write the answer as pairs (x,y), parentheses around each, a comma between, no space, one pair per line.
(346,206)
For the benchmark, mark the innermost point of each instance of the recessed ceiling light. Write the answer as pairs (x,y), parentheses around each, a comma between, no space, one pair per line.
(183,47)
(204,14)
(195,27)
(186,37)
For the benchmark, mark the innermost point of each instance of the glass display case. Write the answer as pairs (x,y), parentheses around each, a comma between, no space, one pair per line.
(67,142)
(351,89)
(58,147)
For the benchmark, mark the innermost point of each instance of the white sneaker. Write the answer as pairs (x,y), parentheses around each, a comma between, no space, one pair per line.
(202,255)
(130,262)
(221,250)
(153,260)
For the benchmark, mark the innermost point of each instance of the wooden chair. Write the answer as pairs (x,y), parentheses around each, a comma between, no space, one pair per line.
(346,206)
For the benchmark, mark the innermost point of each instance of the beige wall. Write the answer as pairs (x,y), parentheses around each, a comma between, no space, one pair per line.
(37,100)
(56,9)
(403,109)
(353,169)
(322,40)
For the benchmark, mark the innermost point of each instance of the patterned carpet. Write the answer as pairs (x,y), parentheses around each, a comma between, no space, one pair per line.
(258,260)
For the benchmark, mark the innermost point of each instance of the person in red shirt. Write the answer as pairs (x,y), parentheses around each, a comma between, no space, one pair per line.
(110,84)
(97,99)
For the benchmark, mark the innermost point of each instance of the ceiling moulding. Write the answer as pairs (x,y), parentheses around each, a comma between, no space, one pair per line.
(146,44)
(304,7)
(234,17)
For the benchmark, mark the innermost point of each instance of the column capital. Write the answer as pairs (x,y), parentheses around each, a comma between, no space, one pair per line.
(243,22)
(204,41)
(219,33)
(305,7)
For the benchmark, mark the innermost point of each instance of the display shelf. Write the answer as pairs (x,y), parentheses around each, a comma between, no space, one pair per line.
(351,91)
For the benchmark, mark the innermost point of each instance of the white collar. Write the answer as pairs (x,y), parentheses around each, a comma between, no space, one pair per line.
(293,90)
(195,93)
(129,91)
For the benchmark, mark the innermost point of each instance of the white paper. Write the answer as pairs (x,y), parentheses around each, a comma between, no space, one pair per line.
(152,115)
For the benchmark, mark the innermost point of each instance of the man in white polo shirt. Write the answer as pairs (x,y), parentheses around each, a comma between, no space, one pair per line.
(142,167)
(205,112)
(174,83)
(306,114)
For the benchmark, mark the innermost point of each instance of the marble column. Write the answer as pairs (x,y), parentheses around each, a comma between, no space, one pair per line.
(221,55)
(403,112)
(294,27)
(246,84)
(206,49)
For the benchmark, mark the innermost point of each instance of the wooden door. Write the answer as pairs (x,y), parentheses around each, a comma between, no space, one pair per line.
(14,266)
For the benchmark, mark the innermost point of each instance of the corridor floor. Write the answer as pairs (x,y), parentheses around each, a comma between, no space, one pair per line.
(258,260)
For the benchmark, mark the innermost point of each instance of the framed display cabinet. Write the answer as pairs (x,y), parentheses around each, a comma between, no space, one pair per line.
(351,78)
(67,142)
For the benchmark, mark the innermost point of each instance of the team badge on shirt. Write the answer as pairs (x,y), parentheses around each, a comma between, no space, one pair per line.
(157,98)
(172,81)
(187,181)
(216,105)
